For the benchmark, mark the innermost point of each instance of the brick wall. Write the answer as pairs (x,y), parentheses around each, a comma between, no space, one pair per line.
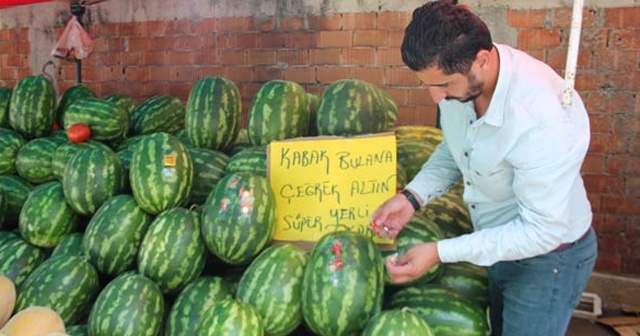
(14,56)
(142,59)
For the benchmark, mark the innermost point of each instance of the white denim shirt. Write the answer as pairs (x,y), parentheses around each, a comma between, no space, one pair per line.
(520,163)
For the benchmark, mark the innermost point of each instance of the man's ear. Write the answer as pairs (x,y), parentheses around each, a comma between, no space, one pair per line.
(482,58)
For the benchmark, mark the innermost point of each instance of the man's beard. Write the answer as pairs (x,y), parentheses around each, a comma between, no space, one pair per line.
(475,90)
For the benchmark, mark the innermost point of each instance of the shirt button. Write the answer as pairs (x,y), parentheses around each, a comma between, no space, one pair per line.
(468,183)
(466,154)
(473,206)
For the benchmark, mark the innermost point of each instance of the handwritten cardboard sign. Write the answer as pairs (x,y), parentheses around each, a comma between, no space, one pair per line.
(326,184)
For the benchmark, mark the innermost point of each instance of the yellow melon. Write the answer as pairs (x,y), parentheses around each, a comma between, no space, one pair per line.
(34,321)
(8,291)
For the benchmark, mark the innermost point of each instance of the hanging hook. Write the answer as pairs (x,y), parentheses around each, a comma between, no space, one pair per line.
(44,70)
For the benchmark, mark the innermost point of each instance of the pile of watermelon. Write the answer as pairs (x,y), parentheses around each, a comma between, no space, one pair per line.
(159,219)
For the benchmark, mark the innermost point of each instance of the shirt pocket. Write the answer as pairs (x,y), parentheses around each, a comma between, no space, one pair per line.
(493,181)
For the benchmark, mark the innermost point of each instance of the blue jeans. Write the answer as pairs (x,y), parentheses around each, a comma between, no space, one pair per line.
(536,296)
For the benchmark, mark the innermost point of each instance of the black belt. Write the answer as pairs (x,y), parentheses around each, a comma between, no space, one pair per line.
(565,246)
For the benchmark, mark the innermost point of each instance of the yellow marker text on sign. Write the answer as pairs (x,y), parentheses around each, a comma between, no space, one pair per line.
(330,184)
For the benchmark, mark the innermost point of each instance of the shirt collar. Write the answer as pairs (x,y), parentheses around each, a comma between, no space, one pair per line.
(495,113)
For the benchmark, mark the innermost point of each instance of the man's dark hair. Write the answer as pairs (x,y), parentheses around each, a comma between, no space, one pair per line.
(445,35)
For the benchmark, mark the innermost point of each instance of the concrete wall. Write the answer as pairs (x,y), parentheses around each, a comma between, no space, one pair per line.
(144,48)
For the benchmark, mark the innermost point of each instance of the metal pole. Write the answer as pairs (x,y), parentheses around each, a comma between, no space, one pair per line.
(572,54)
(78,11)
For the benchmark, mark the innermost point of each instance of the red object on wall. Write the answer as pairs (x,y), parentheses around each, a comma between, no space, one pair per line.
(11,3)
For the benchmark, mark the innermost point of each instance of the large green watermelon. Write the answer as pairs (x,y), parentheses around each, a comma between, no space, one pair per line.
(112,239)
(129,305)
(16,190)
(32,106)
(213,113)
(161,113)
(238,218)
(280,110)
(5,99)
(108,121)
(272,286)
(195,299)
(446,311)
(343,284)
(172,252)
(351,107)
(91,177)
(231,317)
(46,217)
(34,159)
(161,173)
(66,284)
(10,144)
(18,259)
(397,322)
(69,96)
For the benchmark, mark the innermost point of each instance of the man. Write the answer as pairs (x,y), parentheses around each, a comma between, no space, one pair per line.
(519,152)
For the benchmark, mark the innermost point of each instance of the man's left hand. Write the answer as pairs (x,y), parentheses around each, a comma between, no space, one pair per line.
(413,264)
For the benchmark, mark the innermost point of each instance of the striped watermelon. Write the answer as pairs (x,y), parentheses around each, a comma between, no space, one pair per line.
(161,173)
(69,96)
(272,286)
(343,284)
(280,110)
(5,99)
(16,190)
(397,322)
(242,142)
(208,168)
(18,259)
(351,107)
(113,236)
(231,317)
(172,252)
(446,311)
(77,330)
(125,102)
(194,300)
(46,217)
(157,114)
(412,154)
(66,151)
(430,134)
(10,144)
(314,102)
(91,177)
(419,230)
(450,213)
(468,279)
(391,110)
(70,245)
(238,218)
(249,160)
(32,106)
(3,206)
(7,236)
(33,161)
(108,121)
(129,305)
(213,113)
(182,136)
(66,284)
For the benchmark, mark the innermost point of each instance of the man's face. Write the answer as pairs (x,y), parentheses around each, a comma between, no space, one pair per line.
(457,86)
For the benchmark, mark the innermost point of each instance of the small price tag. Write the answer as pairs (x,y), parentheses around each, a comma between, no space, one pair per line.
(169,160)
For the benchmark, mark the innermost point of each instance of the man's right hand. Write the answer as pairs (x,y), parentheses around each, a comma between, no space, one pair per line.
(392,216)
